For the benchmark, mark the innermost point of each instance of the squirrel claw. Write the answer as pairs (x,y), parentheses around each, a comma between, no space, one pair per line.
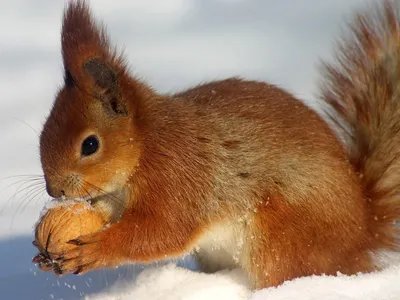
(78,270)
(38,258)
(76,242)
(57,270)
(44,263)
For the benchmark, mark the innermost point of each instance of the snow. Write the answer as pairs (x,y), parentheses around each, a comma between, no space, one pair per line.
(172,46)
(171,283)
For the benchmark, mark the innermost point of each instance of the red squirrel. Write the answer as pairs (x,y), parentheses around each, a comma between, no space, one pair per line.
(240,173)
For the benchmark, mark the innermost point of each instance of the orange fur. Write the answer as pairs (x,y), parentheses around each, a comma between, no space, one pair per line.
(239,165)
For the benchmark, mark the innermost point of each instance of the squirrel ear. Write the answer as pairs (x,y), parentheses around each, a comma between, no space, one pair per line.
(106,85)
(89,60)
(103,76)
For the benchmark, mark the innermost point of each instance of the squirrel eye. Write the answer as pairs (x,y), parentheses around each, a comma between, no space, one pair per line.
(90,145)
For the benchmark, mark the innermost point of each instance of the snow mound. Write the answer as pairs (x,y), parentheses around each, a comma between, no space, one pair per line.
(172,283)
(382,285)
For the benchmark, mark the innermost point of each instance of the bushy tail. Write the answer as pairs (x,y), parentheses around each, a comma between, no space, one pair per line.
(362,92)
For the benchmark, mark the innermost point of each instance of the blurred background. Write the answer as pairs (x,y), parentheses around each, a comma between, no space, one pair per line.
(172,44)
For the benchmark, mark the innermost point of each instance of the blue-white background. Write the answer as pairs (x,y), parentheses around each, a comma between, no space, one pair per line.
(172,44)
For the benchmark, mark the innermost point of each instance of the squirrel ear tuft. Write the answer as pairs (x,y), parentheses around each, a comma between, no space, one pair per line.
(82,39)
(89,60)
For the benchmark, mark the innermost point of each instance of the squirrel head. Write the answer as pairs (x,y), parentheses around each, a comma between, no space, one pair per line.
(90,144)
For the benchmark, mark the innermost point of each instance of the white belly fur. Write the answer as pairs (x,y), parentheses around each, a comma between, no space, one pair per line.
(221,247)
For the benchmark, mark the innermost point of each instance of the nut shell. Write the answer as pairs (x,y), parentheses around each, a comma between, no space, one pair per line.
(63,223)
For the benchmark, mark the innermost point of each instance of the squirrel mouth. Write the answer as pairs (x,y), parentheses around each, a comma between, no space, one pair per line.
(83,199)
(88,199)
(93,197)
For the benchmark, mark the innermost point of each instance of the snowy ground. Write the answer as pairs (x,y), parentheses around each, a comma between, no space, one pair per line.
(173,44)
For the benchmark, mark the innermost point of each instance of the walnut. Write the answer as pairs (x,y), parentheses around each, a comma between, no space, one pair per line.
(62,223)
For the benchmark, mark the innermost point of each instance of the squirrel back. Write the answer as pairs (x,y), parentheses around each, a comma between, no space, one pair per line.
(238,172)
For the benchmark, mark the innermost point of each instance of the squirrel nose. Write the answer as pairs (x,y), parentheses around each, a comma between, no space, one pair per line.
(54,192)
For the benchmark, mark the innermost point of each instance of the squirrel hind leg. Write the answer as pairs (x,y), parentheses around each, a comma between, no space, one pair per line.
(288,244)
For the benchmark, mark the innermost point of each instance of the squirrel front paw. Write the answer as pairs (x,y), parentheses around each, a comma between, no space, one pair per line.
(43,262)
(88,252)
